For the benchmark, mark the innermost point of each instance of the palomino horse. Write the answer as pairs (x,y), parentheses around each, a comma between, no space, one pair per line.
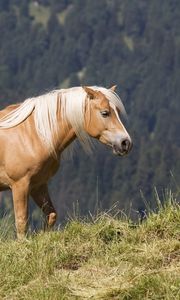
(34,134)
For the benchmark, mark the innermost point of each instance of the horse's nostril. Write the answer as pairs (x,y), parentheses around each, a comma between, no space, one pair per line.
(125,144)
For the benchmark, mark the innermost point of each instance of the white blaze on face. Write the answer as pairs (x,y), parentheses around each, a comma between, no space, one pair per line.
(120,134)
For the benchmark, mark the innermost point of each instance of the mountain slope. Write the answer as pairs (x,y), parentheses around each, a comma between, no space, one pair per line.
(47,44)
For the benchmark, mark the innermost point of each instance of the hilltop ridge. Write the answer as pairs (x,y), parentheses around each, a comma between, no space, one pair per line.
(105,258)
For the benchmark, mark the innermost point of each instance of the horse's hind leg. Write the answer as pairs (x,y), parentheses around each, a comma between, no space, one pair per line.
(20,192)
(42,199)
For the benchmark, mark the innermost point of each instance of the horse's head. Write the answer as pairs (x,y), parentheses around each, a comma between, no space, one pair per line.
(102,121)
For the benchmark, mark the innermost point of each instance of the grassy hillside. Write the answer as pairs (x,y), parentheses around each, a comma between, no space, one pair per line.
(106,258)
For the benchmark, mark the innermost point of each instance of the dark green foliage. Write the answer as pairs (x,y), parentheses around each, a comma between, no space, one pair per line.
(134,44)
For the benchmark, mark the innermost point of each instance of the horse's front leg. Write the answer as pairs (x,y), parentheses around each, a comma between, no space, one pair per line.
(20,191)
(41,197)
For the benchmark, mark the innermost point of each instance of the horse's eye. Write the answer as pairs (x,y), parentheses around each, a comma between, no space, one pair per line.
(105,113)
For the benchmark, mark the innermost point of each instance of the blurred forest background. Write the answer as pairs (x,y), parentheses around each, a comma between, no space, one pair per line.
(47,44)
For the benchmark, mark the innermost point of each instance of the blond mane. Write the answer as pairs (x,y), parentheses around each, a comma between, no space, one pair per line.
(71,103)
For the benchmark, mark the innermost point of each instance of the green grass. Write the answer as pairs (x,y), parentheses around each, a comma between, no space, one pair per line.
(106,258)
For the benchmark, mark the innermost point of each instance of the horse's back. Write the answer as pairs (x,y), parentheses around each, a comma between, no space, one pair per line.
(4,135)
(8,109)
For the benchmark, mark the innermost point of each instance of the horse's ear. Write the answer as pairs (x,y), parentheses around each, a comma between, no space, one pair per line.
(113,88)
(91,93)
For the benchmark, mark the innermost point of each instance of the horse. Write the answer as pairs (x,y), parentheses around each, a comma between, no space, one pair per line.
(34,134)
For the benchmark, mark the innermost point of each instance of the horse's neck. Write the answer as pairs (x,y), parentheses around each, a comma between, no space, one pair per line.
(66,140)
(65,137)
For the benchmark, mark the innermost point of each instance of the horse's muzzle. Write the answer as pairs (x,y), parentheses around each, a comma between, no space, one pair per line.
(123,147)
